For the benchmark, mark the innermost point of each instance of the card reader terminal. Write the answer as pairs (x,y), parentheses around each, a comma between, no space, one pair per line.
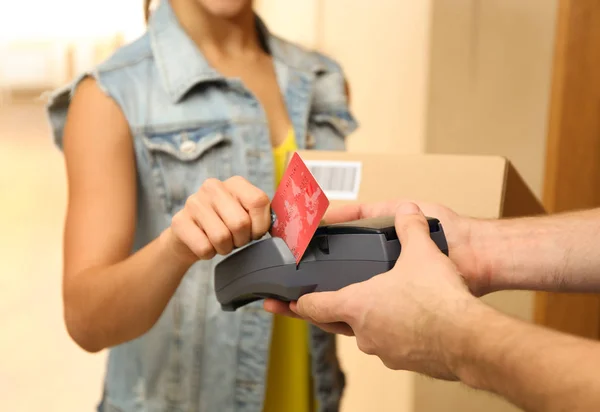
(337,256)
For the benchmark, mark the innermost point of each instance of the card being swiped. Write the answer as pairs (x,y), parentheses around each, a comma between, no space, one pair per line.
(298,205)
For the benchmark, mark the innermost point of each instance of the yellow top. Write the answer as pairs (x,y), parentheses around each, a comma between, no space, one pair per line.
(289,386)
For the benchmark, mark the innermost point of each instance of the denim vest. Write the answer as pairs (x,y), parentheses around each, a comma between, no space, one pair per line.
(190,123)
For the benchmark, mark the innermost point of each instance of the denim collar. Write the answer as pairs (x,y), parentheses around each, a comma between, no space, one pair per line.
(182,65)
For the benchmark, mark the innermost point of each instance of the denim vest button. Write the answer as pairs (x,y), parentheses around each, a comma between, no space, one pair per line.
(187,147)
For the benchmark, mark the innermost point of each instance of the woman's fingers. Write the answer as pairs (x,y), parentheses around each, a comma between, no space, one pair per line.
(207,219)
(254,201)
(230,211)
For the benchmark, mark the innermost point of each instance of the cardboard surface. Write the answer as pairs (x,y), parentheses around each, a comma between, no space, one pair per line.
(478,186)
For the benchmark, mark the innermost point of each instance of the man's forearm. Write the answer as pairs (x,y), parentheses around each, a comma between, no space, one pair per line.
(534,368)
(551,253)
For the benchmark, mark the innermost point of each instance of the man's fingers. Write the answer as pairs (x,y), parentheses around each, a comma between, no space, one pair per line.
(412,227)
(358,211)
(279,308)
(362,211)
(323,307)
(380,209)
(343,214)
(284,309)
(338,328)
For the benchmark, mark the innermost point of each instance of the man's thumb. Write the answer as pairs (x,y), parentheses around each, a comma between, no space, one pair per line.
(321,307)
(411,225)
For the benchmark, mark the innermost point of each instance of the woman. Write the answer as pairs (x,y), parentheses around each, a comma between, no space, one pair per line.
(173,148)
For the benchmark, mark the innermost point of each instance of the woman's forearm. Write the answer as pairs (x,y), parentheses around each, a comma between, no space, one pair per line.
(106,306)
(551,253)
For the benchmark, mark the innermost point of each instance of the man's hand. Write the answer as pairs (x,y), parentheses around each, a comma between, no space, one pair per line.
(464,236)
(468,243)
(400,315)
(420,316)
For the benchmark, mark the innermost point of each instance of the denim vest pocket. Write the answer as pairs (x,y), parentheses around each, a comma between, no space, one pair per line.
(183,160)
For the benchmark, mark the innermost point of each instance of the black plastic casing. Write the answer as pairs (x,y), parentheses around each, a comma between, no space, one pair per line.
(337,256)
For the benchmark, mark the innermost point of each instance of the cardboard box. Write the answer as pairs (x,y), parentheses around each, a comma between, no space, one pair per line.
(478,186)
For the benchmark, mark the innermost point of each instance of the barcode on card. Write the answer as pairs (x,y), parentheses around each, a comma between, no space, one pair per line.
(340,180)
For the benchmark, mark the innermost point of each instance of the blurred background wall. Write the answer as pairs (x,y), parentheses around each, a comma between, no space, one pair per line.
(42,45)
(489,90)
(450,76)
(447,76)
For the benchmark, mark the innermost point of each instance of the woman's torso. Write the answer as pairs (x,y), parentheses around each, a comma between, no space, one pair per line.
(188,124)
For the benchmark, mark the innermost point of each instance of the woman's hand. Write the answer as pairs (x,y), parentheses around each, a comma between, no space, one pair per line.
(219,217)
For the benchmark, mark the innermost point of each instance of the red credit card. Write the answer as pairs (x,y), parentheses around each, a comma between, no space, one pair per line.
(298,205)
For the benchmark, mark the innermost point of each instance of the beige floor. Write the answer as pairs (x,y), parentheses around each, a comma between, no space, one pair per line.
(40,368)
